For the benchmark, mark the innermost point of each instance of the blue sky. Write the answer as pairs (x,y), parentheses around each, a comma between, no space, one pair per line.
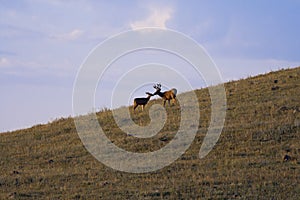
(44,42)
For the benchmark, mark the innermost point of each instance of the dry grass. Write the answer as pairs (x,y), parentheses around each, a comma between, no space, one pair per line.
(262,126)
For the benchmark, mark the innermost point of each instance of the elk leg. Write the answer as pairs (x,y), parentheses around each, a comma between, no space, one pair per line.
(134,107)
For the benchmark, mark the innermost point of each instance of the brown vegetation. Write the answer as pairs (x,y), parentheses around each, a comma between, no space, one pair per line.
(262,126)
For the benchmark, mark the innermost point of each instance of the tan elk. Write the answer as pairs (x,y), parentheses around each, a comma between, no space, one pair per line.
(141,101)
(167,95)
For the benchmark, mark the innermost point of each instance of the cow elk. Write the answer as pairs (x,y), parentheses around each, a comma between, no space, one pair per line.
(141,101)
(167,95)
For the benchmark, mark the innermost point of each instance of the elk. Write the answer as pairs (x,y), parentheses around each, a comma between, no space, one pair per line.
(141,101)
(167,95)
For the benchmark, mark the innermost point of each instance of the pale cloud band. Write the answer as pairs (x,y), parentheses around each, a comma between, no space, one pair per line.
(4,62)
(73,35)
(158,18)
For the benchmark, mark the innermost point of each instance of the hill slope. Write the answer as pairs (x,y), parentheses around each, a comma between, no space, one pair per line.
(262,126)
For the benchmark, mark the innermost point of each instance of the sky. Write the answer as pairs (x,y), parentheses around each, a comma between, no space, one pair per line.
(44,42)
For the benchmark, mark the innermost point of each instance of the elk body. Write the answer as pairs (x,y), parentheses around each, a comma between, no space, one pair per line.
(141,101)
(167,95)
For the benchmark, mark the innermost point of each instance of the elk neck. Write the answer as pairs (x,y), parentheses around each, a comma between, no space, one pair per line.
(159,93)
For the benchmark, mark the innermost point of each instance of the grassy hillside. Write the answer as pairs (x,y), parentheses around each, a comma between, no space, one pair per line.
(262,126)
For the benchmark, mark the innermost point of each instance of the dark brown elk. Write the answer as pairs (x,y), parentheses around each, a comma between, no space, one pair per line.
(141,101)
(167,95)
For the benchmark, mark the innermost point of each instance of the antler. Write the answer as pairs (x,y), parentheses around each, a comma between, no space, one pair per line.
(157,86)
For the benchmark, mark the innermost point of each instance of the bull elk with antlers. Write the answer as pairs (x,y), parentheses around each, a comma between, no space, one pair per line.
(167,95)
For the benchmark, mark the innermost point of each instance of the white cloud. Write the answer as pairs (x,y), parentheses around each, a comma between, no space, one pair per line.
(73,35)
(17,64)
(4,62)
(157,18)
(35,67)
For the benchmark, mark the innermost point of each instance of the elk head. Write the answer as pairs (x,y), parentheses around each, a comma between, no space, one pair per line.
(157,87)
